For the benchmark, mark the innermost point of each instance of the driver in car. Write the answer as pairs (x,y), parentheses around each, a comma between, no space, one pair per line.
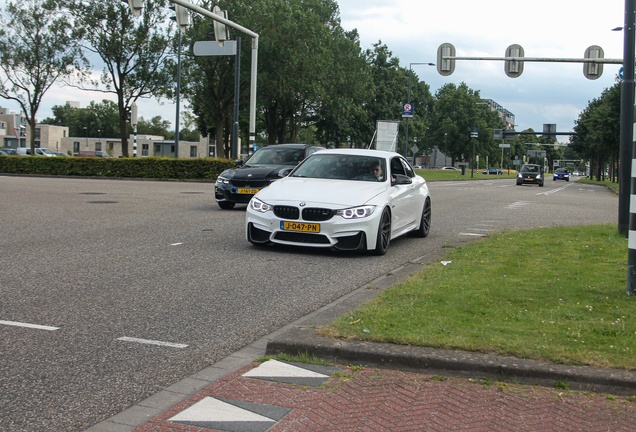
(376,170)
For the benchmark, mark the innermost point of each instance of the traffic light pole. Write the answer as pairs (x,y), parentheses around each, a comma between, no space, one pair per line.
(254,65)
(627,221)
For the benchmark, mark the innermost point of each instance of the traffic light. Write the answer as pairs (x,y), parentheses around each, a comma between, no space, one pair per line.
(220,31)
(593,71)
(133,115)
(128,114)
(446,66)
(514,68)
(135,6)
(181,17)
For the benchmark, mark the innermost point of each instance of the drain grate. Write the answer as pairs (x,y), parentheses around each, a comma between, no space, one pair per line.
(92,193)
(103,202)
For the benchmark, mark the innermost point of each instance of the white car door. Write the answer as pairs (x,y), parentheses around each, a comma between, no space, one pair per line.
(402,196)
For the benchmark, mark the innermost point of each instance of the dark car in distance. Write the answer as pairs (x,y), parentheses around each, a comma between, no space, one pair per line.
(561,174)
(530,174)
(238,185)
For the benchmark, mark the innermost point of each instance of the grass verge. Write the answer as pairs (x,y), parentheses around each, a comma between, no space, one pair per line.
(556,294)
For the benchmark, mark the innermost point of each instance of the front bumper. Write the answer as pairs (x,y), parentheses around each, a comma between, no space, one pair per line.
(230,193)
(337,232)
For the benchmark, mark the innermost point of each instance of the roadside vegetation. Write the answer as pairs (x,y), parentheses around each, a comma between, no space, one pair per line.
(607,182)
(438,174)
(556,294)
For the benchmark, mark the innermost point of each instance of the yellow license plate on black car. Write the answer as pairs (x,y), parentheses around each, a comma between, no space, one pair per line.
(300,226)
(247,191)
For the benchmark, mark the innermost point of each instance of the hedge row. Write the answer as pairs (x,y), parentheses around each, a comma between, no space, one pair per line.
(156,168)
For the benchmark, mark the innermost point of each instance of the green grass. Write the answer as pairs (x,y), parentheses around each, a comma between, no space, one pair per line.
(608,183)
(437,175)
(557,294)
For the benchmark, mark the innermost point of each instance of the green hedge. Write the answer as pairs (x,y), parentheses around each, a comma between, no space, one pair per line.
(156,168)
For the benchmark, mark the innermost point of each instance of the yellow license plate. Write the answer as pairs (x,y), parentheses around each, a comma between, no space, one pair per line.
(247,191)
(530,178)
(300,226)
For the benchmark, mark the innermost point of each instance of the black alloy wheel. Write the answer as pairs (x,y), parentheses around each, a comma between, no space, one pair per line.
(425,222)
(384,233)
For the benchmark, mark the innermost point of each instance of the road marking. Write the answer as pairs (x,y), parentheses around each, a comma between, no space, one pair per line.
(33,326)
(472,234)
(176,244)
(152,342)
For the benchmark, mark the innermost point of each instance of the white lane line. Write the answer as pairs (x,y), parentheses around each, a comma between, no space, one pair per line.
(33,326)
(152,342)
(472,234)
(176,244)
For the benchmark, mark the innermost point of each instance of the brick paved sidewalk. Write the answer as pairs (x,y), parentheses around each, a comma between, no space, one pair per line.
(373,399)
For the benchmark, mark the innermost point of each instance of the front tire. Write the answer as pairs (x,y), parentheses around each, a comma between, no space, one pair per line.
(384,233)
(425,222)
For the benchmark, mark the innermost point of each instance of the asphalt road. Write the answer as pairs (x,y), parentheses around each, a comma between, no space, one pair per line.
(108,262)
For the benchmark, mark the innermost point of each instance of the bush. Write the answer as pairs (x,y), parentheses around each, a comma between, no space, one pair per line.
(155,168)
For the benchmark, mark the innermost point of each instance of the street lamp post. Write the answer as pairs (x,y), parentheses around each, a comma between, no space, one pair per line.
(474,135)
(86,130)
(445,148)
(408,100)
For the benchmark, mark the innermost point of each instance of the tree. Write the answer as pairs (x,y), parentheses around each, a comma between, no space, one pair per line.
(101,119)
(135,51)
(458,109)
(155,126)
(598,130)
(36,50)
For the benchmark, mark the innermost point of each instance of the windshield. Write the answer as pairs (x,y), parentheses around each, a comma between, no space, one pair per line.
(530,168)
(276,156)
(344,167)
(46,151)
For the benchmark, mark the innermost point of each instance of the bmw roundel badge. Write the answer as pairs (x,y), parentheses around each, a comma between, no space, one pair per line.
(302,204)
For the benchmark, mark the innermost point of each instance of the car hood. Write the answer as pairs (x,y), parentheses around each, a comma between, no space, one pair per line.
(325,192)
(255,172)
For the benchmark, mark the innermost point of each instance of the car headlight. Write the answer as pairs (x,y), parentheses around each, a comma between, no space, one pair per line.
(519,175)
(538,176)
(356,212)
(221,179)
(260,206)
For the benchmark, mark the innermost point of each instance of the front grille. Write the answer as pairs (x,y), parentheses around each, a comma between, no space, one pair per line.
(287,212)
(317,214)
(254,183)
(297,237)
(353,242)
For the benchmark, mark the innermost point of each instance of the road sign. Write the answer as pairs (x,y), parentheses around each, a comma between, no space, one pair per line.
(407,110)
(212,48)
(498,134)
(504,145)
(474,133)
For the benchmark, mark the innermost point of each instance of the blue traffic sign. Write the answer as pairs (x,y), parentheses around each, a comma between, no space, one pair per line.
(407,110)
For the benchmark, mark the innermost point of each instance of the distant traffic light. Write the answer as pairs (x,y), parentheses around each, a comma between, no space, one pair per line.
(445,66)
(593,71)
(514,68)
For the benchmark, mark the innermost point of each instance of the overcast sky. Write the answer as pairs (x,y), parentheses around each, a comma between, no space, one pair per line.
(414,29)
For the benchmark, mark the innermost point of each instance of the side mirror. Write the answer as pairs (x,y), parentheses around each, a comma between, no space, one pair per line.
(285,172)
(239,162)
(399,179)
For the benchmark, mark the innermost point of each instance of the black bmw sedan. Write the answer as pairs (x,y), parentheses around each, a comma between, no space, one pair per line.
(238,185)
